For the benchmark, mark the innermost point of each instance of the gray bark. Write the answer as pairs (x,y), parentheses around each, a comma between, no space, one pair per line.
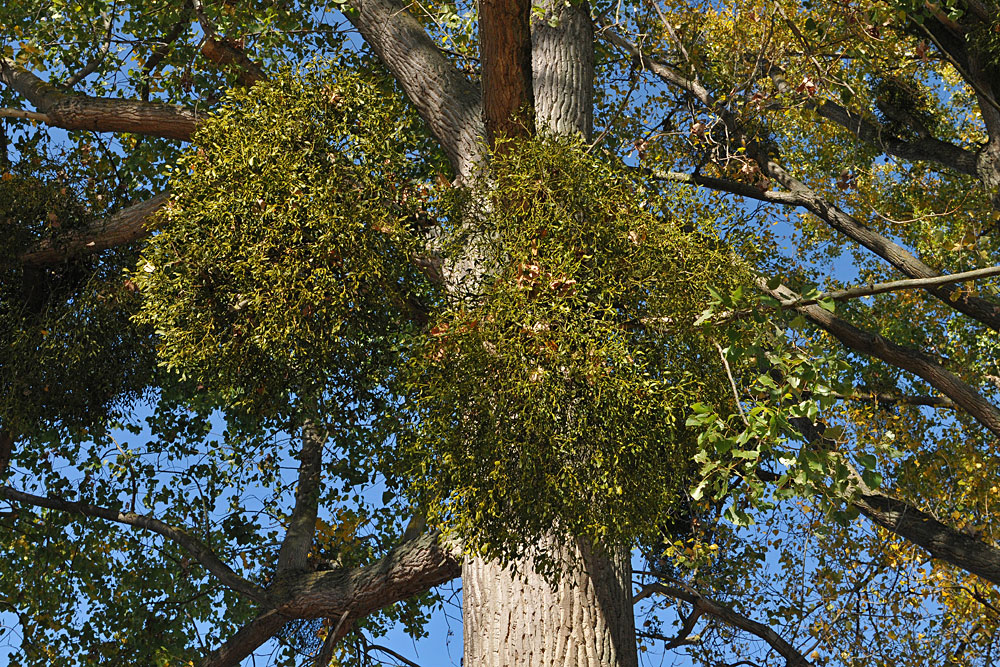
(447,101)
(586,617)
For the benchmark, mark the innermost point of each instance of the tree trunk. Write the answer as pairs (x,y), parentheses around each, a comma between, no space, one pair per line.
(585,619)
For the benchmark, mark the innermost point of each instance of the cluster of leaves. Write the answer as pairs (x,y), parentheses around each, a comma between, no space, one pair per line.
(557,395)
(69,351)
(283,265)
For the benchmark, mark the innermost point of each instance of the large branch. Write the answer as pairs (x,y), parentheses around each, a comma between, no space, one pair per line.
(447,101)
(941,541)
(706,605)
(294,552)
(128,225)
(928,149)
(247,640)
(413,567)
(346,595)
(903,519)
(873,345)
(199,550)
(80,112)
(980,309)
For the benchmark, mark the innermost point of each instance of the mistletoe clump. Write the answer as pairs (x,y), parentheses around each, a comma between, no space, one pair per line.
(68,351)
(283,262)
(555,395)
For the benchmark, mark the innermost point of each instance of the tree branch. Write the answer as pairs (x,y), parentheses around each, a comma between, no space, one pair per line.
(247,640)
(6,450)
(294,552)
(979,309)
(903,519)
(905,358)
(895,286)
(928,149)
(448,102)
(98,58)
(892,400)
(200,551)
(413,567)
(161,50)
(221,52)
(727,185)
(941,541)
(79,112)
(708,606)
(125,226)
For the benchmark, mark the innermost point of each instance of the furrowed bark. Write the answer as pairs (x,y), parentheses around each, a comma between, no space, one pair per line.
(294,552)
(79,112)
(505,48)
(585,619)
(412,568)
(563,67)
(448,102)
(128,225)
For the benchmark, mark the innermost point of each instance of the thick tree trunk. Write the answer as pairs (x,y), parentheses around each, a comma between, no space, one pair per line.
(585,619)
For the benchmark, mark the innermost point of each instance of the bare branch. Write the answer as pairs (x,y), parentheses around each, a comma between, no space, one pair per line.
(726,185)
(26,115)
(247,640)
(941,541)
(892,400)
(325,655)
(95,62)
(895,286)
(905,358)
(126,226)
(200,551)
(708,606)
(98,114)
(388,651)
(977,308)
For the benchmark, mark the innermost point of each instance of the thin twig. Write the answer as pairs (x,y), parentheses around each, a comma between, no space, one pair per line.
(894,286)
(732,382)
